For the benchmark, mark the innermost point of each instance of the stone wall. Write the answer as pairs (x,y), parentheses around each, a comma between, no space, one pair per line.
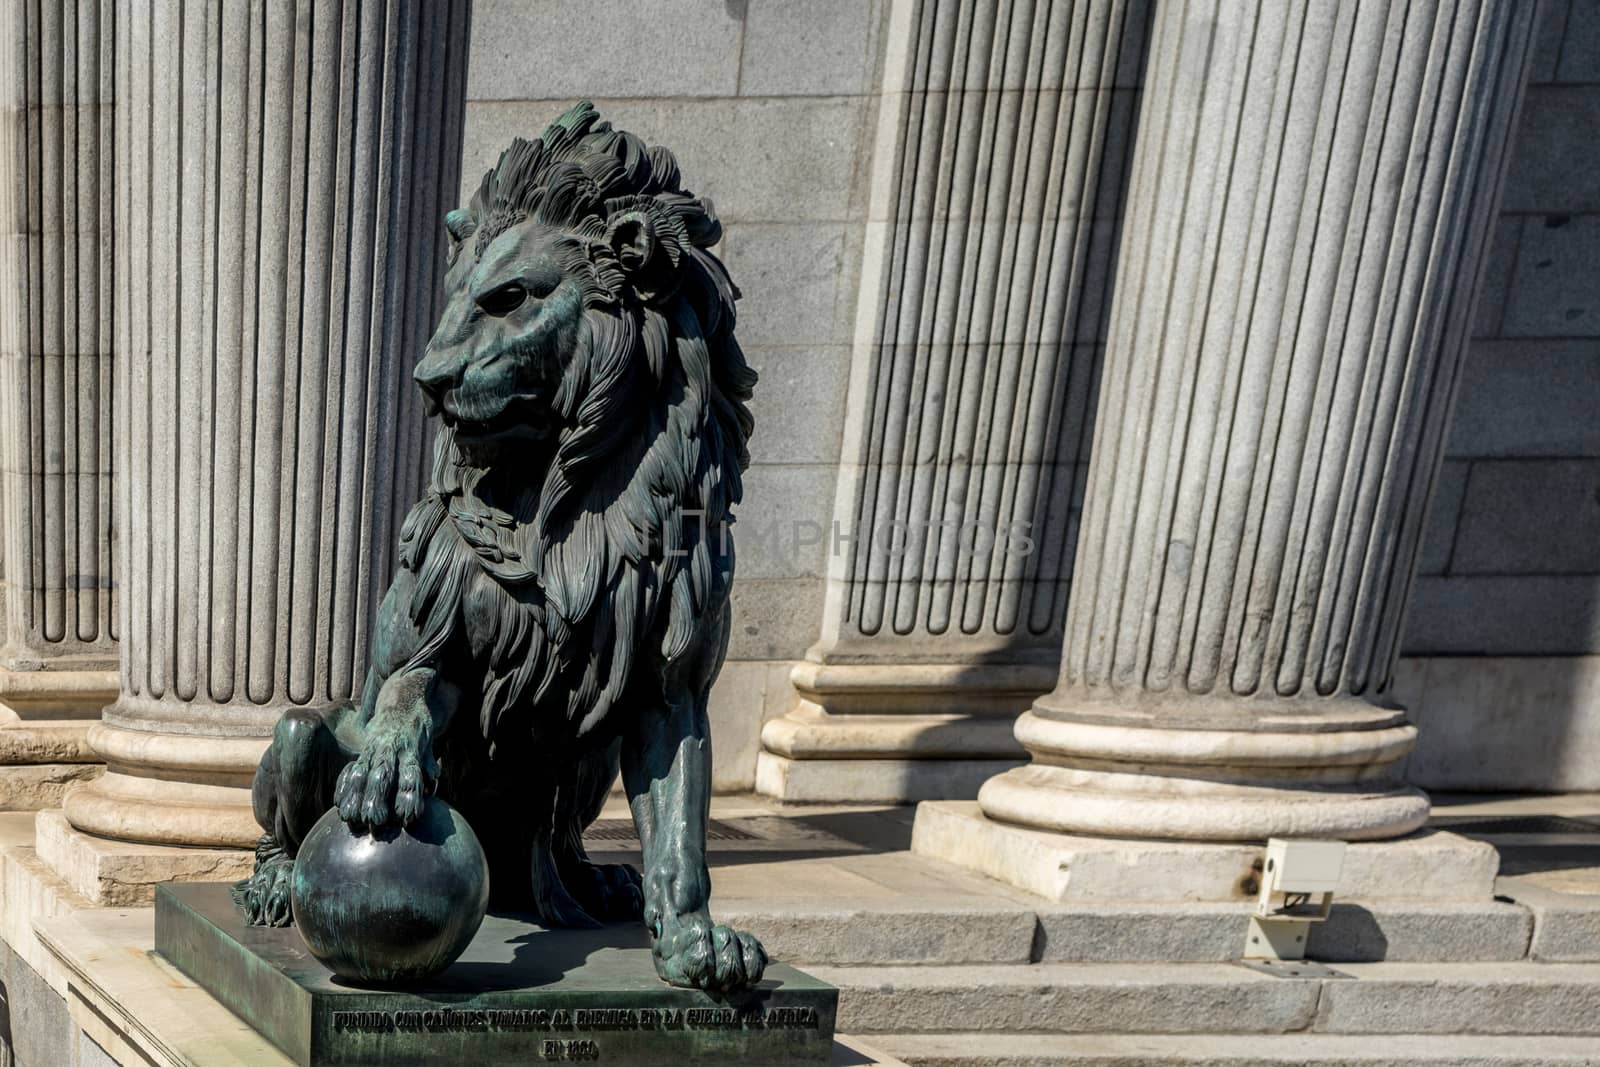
(768,106)
(1503,672)
(35,1025)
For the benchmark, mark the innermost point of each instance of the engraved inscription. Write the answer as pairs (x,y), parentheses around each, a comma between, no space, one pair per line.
(575,1050)
(578,1021)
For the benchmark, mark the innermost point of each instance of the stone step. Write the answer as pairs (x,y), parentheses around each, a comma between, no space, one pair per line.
(813,930)
(1356,932)
(1234,1050)
(1193,998)
(1566,924)
(911,930)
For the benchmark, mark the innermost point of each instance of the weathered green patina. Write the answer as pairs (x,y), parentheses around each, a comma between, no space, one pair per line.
(424,889)
(519,994)
(561,606)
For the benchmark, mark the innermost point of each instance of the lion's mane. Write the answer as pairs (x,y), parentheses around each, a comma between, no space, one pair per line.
(653,425)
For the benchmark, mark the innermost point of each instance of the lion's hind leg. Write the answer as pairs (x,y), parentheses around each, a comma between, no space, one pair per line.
(293,788)
(604,892)
(264,896)
(610,892)
(553,902)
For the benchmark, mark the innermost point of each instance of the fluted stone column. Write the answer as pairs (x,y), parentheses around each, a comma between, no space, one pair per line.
(999,166)
(58,652)
(1312,188)
(287,170)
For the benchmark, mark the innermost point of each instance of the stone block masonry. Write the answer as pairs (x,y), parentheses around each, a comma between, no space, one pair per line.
(778,104)
(1503,642)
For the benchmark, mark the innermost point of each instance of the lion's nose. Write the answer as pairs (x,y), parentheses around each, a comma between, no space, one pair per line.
(435,377)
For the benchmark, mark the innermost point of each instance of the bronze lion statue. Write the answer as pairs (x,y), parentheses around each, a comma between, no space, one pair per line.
(560,608)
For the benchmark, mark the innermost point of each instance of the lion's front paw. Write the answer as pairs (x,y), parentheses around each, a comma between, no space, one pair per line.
(264,896)
(388,782)
(693,953)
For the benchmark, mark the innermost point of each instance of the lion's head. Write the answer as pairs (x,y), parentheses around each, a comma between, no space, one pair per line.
(579,252)
(586,373)
(514,324)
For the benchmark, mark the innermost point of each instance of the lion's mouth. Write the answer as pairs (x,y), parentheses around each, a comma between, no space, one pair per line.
(527,417)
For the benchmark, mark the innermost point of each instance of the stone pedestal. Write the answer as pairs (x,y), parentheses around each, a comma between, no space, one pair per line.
(996,183)
(1311,193)
(58,652)
(519,994)
(280,243)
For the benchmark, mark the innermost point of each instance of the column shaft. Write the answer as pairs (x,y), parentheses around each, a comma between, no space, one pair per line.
(288,170)
(998,171)
(1312,191)
(58,652)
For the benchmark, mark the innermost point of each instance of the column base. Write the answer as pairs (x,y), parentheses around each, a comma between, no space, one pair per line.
(1208,769)
(872,781)
(45,716)
(1430,865)
(41,759)
(124,873)
(895,733)
(148,810)
(54,693)
(169,789)
(1134,805)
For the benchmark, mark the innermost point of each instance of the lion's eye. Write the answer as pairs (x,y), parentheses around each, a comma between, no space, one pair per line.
(504,300)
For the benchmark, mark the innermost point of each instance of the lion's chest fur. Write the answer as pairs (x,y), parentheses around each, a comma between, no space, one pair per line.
(480,613)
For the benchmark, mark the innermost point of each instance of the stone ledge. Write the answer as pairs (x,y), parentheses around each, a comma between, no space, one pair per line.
(890,704)
(1356,932)
(124,874)
(46,741)
(934,930)
(1218,998)
(1427,865)
(1235,1050)
(135,1006)
(1491,998)
(873,781)
(1071,997)
(30,891)
(33,786)
(903,930)
(1566,926)
(61,693)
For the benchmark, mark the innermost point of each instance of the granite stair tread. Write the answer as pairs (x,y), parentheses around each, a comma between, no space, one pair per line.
(1373,998)
(1235,1050)
(947,930)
